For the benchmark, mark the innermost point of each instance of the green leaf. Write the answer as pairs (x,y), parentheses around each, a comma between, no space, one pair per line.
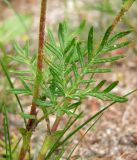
(26,49)
(54,50)
(56,72)
(74,105)
(80,27)
(76,57)
(69,80)
(116,98)
(108,59)
(90,44)
(111,86)
(75,70)
(69,45)
(65,27)
(98,70)
(69,56)
(68,70)
(19,49)
(88,81)
(27,116)
(56,67)
(20,91)
(21,72)
(105,39)
(26,86)
(19,59)
(60,90)
(116,46)
(80,55)
(51,37)
(27,78)
(68,112)
(42,103)
(99,95)
(33,59)
(95,89)
(61,36)
(118,36)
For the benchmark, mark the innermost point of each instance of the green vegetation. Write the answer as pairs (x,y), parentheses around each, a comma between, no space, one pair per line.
(53,78)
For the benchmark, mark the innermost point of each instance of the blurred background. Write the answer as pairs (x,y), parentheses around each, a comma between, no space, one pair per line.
(115,136)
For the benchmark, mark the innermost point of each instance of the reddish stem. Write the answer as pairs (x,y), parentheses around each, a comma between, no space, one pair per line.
(56,124)
(39,61)
(31,122)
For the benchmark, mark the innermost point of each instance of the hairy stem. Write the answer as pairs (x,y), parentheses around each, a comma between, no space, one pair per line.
(39,60)
(31,122)
(126,6)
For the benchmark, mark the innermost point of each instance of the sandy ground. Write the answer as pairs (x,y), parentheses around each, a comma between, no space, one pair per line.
(115,135)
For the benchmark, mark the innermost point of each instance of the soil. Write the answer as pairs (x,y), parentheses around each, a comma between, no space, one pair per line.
(115,135)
